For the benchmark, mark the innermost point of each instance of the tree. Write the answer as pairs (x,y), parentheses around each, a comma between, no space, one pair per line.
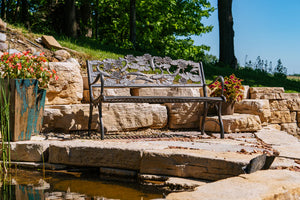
(70,19)
(226,33)
(132,22)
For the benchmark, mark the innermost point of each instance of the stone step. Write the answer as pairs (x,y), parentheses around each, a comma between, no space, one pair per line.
(265,184)
(234,123)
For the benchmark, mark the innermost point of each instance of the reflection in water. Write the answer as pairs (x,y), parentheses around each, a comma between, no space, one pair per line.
(28,185)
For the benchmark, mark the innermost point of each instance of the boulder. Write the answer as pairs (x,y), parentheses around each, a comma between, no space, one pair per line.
(62,55)
(3,46)
(246,94)
(264,184)
(278,117)
(291,128)
(258,107)
(234,123)
(172,91)
(68,89)
(116,117)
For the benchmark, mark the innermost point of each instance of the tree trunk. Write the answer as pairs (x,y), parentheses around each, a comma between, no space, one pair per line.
(226,33)
(132,22)
(70,19)
(3,13)
(24,13)
(96,19)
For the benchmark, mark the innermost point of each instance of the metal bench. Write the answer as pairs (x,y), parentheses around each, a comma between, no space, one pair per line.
(149,71)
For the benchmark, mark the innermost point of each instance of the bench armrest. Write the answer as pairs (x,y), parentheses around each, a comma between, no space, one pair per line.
(101,77)
(222,84)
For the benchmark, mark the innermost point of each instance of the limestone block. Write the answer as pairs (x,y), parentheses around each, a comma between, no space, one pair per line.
(291,128)
(263,184)
(291,95)
(246,94)
(2,25)
(172,91)
(107,92)
(50,42)
(2,37)
(116,117)
(68,89)
(234,123)
(3,46)
(184,115)
(266,90)
(279,105)
(94,154)
(199,164)
(298,117)
(29,151)
(266,96)
(278,117)
(85,80)
(258,107)
(293,104)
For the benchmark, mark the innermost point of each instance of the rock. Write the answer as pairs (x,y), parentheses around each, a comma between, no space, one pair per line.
(291,96)
(258,107)
(246,94)
(68,89)
(265,184)
(198,164)
(193,92)
(50,42)
(2,25)
(293,104)
(266,90)
(234,123)
(279,105)
(117,172)
(116,117)
(2,37)
(31,50)
(291,128)
(12,51)
(184,115)
(95,154)
(278,117)
(266,96)
(73,60)
(29,151)
(107,92)
(3,46)
(298,118)
(62,55)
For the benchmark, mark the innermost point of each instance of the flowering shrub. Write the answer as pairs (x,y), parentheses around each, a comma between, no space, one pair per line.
(25,65)
(233,89)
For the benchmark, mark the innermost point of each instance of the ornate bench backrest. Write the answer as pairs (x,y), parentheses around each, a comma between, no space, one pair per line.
(147,71)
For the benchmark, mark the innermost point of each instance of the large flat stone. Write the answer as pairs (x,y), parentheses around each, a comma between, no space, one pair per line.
(266,184)
(279,105)
(294,104)
(258,107)
(200,164)
(116,117)
(234,123)
(107,92)
(95,154)
(291,128)
(172,91)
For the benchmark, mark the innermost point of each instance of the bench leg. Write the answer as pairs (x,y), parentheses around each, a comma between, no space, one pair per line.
(220,120)
(90,119)
(204,118)
(101,121)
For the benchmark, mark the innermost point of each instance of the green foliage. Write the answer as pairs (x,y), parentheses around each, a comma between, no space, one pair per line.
(280,71)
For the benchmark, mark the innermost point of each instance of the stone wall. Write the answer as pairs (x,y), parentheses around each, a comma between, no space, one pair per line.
(274,107)
(68,108)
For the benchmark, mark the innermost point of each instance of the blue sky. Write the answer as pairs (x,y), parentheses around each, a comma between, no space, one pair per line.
(266,28)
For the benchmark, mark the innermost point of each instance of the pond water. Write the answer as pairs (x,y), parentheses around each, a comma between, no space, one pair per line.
(34,185)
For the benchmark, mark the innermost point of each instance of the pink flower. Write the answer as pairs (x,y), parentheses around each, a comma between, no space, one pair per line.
(19,66)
